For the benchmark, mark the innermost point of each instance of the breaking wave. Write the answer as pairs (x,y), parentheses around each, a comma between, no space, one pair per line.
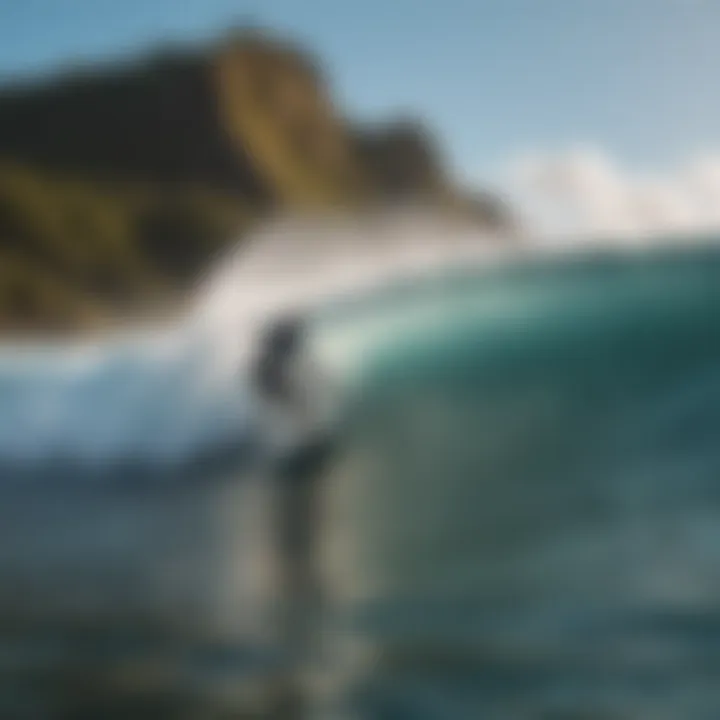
(167,394)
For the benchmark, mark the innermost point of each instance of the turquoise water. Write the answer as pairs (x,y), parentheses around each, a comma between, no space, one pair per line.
(524,520)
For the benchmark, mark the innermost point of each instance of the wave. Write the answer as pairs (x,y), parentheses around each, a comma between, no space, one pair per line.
(177,393)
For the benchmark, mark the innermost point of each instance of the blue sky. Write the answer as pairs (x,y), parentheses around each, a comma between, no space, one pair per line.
(496,78)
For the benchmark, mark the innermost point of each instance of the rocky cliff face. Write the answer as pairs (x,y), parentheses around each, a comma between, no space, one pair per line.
(400,159)
(120,182)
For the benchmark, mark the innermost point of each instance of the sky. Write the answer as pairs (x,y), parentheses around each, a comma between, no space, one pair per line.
(631,84)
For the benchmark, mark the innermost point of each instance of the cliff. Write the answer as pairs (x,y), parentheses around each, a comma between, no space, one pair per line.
(117,184)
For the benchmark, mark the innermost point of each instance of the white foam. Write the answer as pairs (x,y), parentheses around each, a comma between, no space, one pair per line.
(168,392)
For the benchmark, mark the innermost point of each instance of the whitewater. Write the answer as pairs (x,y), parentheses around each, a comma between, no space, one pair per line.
(168,392)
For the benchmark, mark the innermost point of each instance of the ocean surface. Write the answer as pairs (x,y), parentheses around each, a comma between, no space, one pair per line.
(524,519)
(521,519)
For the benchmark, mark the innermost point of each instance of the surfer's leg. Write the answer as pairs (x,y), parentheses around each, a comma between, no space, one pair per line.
(299,479)
(300,484)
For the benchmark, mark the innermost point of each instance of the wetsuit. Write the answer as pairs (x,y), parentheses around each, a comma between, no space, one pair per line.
(296,469)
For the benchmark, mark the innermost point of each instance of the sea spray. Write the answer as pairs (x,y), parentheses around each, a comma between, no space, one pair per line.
(166,393)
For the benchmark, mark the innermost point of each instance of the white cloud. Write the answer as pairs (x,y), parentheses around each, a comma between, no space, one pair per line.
(583,193)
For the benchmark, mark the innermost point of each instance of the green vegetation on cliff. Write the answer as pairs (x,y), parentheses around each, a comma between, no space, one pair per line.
(117,185)
(75,253)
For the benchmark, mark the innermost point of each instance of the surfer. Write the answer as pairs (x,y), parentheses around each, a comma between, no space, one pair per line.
(299,448)
(293,394)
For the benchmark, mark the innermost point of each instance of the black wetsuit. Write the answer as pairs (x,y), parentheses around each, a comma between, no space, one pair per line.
(296,469)
(297,474)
